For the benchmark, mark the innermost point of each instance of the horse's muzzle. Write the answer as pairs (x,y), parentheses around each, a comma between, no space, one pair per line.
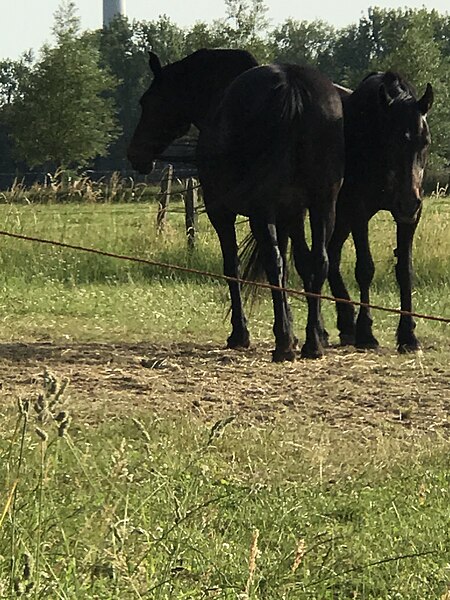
(144,167)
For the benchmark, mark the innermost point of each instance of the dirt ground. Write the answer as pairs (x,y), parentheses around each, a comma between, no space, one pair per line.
(348,389)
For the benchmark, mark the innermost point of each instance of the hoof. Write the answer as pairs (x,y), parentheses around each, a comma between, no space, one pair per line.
(409,348)
(238,341)
(311,353)
(279,356)
(367,343)
(325,339)
(347,339)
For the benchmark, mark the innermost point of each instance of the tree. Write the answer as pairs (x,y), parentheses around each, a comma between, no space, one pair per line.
(419,56)
(161,36)
(245,26)
(350,55)
(248,18)
(13,74)
(62,116)
(202,35)
(302,42)
(125,60)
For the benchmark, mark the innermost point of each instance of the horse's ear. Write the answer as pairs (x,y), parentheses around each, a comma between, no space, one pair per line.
(426,102)
(155,64)
(385,98)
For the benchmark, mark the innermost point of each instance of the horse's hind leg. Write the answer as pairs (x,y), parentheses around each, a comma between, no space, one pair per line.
(406,338)
(345,312)
(283,240)
(302,260)
(364,272)
(321,228)
(224,224)
(266,236)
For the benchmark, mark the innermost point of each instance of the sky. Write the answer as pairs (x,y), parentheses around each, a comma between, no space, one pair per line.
(26,24)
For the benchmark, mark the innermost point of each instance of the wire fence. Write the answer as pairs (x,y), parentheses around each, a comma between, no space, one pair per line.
(218,276)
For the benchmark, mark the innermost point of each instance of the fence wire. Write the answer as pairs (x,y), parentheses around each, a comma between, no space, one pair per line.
(155,263)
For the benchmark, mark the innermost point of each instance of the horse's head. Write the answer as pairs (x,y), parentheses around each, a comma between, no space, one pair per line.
(164,115)
(406,138)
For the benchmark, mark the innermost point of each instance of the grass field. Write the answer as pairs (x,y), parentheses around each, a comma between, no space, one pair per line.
(189,471)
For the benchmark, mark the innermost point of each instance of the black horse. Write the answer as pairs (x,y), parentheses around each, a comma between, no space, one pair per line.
(386,140)
(271,146)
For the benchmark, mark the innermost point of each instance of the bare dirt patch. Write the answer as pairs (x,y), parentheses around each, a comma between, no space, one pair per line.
(348,389)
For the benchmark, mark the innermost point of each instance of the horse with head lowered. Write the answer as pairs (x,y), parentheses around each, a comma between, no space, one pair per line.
(271,147)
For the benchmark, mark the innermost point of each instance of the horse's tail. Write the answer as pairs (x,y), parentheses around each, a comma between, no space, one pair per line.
(260,144)
(270,167)
(252,267)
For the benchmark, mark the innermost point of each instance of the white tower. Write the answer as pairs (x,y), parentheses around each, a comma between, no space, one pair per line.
(111,9)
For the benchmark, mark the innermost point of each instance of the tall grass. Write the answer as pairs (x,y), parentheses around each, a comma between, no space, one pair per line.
(59,292)
(151,508)
(67,186)
(130,229)
(127,229)
(173,508)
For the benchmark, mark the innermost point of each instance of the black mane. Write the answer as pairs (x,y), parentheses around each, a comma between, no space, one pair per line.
(396,86)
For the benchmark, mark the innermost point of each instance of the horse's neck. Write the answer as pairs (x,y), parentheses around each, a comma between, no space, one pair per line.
(362,122)
(204,106)
(209,82)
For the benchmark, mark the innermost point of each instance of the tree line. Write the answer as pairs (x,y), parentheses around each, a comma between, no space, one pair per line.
(76,102)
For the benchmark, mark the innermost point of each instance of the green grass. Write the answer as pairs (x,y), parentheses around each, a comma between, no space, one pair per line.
(166,507)
(62,293)
(130,229)
(171,311)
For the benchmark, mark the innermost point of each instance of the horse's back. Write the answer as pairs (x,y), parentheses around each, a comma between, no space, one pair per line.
(279,132)
(282,92)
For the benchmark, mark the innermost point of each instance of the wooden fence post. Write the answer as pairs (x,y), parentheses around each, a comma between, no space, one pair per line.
(190,204)
(166,190)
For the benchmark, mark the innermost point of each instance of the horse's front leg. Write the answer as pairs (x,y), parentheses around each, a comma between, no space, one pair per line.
(265,234)
(364,272)
(345,311)
(224,224)
(406,338)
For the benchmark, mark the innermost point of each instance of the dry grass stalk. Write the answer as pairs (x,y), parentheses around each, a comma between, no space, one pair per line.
(142,429)
(252,562)
(48,406)
(299,554)
(8,504)
(66,185)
